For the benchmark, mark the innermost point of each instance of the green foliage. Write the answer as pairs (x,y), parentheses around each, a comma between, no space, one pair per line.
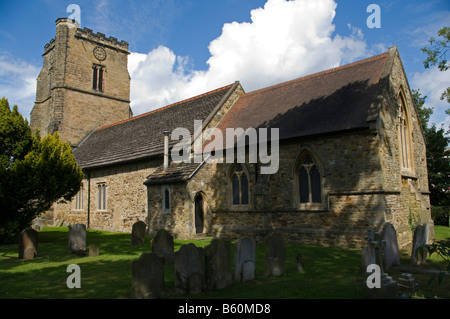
(438,155)
(437,54)
(424,113)
(34,173)
(438,164)
(441,215)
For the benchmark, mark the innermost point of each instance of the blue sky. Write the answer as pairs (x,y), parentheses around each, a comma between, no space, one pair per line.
(180,48)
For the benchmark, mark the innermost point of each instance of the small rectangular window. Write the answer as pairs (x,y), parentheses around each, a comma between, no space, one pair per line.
(97,78)
(101,205)
(79,199)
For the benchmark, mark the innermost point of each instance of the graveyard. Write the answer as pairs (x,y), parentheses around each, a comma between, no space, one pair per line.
(110,264)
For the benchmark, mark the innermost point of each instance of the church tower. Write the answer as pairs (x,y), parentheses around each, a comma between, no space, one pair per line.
(84,83)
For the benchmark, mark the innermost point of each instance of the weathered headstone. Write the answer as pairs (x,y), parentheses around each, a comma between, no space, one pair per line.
(147,280)
(299,260)
(28,241)
(138,233)
(368,251)
(391,251)
(77,238)
(244,259)
(372,255)
(189,270)
(93,250)
(275,263)
(419,252)
(218,273)
(162,246)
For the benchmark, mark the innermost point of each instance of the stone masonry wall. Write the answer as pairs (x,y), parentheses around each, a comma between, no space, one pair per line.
(65,98)
(126,198)
(408,201)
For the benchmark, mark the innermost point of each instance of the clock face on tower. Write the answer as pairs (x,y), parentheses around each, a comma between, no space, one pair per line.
(100,53)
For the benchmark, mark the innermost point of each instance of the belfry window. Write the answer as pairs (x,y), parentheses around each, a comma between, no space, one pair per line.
(97,77)
(239,186)
(309,181)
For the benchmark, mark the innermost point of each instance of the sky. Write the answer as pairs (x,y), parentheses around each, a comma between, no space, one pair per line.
(181,48)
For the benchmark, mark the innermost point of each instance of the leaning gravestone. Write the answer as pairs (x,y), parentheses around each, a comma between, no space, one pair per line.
(244,259)
(28,241)
(275,263)
(94,250)
(391,251)
(147,280)
(77,239)
(218,273)
(189,270)
(138,233)
(419,253)
(162,246)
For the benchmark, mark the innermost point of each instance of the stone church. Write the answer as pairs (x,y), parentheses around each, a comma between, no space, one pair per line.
(351,152)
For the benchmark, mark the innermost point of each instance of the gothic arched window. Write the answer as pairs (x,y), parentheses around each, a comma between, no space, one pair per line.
(404,134)
(309,180)
(239,186)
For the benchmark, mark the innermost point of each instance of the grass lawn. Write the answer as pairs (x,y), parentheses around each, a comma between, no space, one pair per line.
(330,272)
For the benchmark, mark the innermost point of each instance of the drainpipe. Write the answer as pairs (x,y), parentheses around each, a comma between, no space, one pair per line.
(166,149)
(89,198)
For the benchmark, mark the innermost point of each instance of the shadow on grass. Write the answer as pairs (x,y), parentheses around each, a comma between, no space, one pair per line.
(330,272)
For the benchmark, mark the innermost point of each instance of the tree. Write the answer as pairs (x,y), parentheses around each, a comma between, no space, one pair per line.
(438,155)
(34,172)
(437,54)
(424,113)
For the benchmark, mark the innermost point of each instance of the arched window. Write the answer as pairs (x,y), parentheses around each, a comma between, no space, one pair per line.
(239,186)
(166,200)
(404,134)
(309,180)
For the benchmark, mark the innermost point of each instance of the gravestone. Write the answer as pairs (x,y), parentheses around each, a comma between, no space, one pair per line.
(162,246)
(77,239)
(299,259)
(419,253)
(372,254)
(189,270)
(93,250)
(147,277)
(391,251)
(28,241)
(244,259)
(218,273)
(368,251)
(275,263)
(138,233)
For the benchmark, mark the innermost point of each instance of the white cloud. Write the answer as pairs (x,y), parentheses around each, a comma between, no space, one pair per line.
(432,83)
(18,83)
(284,40)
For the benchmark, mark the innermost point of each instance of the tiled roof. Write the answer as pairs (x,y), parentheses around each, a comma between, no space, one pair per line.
(141,137)
(175,173)
(334,100)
